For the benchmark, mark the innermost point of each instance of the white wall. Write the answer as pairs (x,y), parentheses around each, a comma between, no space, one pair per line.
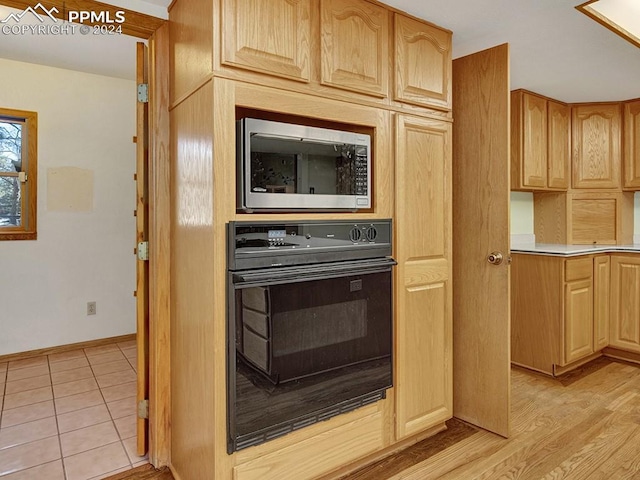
(84,121)
(522,214)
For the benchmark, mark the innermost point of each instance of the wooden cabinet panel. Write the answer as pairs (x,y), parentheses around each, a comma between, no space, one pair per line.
(540,142)
(302,460)
(558,144)
(596,140)
(529,141)
(423,290)
(632,145)
(269,37)
(625,303)
(593,220)
(422,63)
(355,46)
(578,269)
(601,303)
(583,218)
(578,320)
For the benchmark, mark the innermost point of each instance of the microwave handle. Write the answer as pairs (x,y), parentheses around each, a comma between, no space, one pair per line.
(297,139)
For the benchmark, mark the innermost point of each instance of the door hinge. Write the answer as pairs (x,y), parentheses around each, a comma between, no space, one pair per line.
(143,408)
(143,92)
(143,251)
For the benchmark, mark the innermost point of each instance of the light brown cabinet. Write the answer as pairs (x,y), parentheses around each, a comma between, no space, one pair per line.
(422,63)
(423,275)
(268,37)
(596,140)
(540,142)
(631,165)
(601,301)
(625,302)
(559,310)
(355,46)
(578,315)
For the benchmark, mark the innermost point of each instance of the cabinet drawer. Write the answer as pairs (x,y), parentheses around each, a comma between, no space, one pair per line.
(578,268)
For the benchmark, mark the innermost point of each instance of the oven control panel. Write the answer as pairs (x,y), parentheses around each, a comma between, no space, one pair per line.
(305,242)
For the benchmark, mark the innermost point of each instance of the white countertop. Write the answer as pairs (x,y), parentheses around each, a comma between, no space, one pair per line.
(570,250)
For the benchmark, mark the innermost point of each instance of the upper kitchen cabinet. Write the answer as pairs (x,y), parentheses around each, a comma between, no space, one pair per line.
(269,37)
(355,46)
(596,131)
(631,164)
(422,63)
(540,142)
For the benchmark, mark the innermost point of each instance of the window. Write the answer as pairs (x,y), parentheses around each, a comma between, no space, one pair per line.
(18,174)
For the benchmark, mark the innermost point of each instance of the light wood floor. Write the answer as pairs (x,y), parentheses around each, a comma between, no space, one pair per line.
(585,426)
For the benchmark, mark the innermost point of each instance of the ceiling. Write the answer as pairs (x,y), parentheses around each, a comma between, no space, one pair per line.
(555,50)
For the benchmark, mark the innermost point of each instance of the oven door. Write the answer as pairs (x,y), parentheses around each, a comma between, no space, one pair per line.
(305,340)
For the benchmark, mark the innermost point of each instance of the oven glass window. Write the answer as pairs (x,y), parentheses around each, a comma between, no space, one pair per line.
(307,348)
(289,165)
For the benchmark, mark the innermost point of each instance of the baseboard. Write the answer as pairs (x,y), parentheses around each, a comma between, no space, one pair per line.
(66,348)
(622,355)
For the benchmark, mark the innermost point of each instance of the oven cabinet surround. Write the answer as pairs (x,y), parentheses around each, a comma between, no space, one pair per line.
(540,142)
(559,310)
(307,59)
(424,395)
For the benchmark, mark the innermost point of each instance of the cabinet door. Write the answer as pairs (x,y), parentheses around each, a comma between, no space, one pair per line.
(269,37)
(578,320)
(625,303)
(601,303)
(558,144)
(534,138)
(422,63)
(596,146)
(355,46)
(423,276)
(632,145)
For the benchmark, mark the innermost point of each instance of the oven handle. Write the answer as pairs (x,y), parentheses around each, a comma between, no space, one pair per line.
(303,273)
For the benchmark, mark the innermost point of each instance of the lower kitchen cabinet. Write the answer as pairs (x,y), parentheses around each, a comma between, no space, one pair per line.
(559,310)
(625,302)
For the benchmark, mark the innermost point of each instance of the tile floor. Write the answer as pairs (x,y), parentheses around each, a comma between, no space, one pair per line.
(69,416)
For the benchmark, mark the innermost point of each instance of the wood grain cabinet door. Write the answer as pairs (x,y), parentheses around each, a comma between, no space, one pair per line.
(422,63)
(578,320)
(601,301)
(423,381)
(596,146)
(632,145)
(558,144)
(528,141)
(625,303)
(269,37)
(355,46)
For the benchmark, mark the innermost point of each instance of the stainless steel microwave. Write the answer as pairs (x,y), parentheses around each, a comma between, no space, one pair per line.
(288,167)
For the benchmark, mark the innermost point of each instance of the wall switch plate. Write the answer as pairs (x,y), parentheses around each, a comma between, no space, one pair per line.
(91,308)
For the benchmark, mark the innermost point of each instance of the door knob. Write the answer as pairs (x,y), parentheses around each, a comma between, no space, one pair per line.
(495,258)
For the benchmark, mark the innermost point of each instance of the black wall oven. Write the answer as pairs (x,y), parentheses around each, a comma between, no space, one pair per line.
(309,324)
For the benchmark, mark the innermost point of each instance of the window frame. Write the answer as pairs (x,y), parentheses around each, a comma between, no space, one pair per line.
(28,208)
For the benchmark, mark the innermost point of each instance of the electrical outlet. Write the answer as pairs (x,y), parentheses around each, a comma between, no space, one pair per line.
(91,308)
